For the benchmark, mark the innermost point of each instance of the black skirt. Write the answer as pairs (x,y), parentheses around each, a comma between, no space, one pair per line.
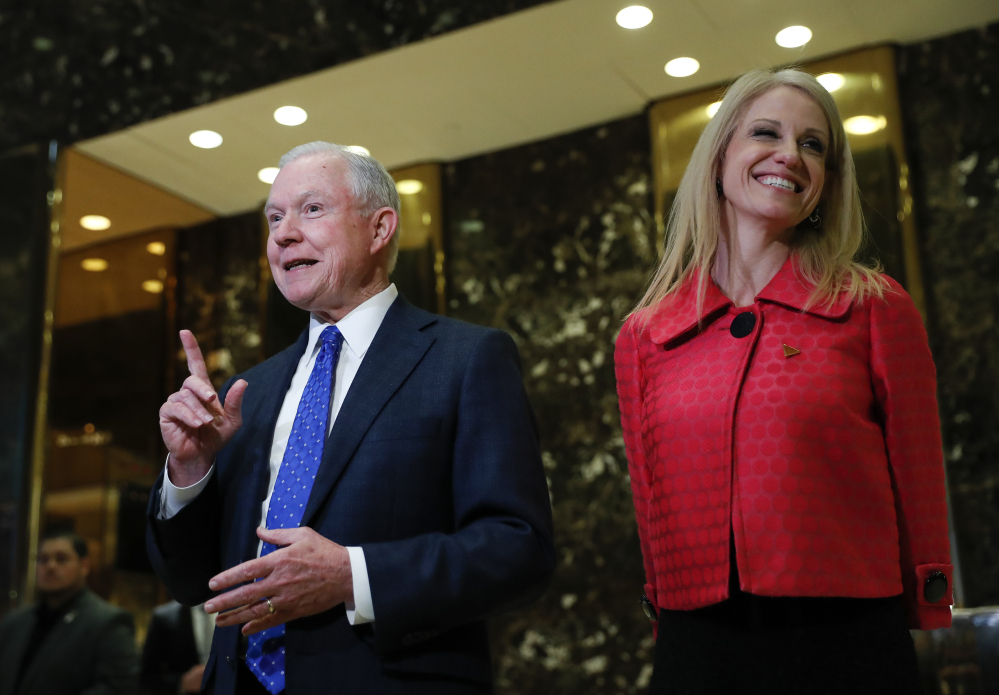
(776,645)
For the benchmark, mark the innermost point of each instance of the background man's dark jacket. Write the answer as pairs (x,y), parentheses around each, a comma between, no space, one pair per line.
(432,467)
(89,651)
(170,649)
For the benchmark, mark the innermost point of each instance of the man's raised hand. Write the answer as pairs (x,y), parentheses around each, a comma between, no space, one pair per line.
(194,425)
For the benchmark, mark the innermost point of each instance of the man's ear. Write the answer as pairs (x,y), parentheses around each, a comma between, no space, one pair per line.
(384,223)
(85,566)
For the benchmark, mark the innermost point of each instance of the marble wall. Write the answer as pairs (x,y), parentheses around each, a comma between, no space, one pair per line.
(24,181)
(74,70)
(950,103)
(552,242)
(218,295)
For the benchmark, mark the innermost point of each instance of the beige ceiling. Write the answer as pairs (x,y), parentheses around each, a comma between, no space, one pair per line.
(524,77)
(93,188)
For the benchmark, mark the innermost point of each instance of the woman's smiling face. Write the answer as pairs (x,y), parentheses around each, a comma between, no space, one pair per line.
(775,164)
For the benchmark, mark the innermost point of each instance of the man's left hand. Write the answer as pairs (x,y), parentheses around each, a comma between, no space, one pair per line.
(307,574)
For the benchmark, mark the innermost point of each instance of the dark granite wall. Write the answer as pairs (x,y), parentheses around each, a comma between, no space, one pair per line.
(552,242)
(24,181)
(950,103)
(74,70)
(218,295)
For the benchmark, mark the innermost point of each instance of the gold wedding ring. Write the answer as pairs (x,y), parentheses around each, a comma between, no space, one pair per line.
(270,606)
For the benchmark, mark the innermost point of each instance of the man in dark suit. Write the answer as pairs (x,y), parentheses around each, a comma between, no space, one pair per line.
(176,649)
(73,642)
(358,505)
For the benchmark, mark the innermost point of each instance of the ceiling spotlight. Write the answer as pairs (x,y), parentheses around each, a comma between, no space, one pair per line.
(94,265)
(409,186)
(152,286)
(268,174)
(290,115)
(792,37)
(205,139)
(831,81)
(95,223)
(634,17)
(864,125)
(682,67)
(357,149)
(712,109)
(157,248)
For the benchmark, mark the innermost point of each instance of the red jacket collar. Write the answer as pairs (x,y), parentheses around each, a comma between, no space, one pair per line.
(677,314)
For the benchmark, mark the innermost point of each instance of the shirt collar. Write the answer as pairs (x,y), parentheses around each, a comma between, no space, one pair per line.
(678,314)
(358,327)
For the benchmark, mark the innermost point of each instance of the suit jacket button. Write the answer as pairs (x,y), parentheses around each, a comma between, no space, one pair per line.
(231,663)
(648,608)
(936,587)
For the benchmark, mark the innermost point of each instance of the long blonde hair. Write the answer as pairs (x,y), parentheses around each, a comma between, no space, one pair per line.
(825,257)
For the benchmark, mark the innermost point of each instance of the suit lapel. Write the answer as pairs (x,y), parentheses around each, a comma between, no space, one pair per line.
(52,649)
(17,644)
(263,420)
(397,348)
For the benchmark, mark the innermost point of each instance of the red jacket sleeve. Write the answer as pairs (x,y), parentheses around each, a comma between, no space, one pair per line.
(628,370)
(904,379)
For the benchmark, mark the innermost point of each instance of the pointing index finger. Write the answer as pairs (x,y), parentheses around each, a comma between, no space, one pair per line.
(195,361)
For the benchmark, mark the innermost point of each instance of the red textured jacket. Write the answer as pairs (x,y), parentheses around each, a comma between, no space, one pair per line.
(814,440)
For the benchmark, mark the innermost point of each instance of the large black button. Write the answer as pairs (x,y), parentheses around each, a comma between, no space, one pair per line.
(936,587)
(648,608)
(743,324)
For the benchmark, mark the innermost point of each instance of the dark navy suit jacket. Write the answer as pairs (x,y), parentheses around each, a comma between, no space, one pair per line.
(432,467)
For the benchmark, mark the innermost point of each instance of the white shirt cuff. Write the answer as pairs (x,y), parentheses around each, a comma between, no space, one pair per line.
(360,610)
(173,498)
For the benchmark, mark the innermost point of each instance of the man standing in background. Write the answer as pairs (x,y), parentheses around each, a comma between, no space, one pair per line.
(176,649)
(73,642)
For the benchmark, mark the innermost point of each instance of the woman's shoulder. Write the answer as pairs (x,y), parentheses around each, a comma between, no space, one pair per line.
(890,303)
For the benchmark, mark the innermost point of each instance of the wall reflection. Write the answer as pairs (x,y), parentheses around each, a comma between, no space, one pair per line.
(111,365)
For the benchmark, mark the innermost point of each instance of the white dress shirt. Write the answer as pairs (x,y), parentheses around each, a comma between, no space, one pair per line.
(203,626)
(358,329)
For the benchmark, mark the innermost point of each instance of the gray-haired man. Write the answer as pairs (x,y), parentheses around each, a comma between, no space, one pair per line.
(365,499)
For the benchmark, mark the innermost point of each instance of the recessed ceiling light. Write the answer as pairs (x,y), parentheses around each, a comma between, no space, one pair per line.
(864,125)
(205,139)
(157,248)
(94,265)
(152,286)
(268,174)
(831,81)
(357,149)
(712,109)
(682,67)
(290,115)
(409,186)
(634,17)
(95,223)
(792,37)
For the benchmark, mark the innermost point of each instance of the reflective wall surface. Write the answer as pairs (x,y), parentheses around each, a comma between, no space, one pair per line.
(552,242)
(26,176)
(950,94)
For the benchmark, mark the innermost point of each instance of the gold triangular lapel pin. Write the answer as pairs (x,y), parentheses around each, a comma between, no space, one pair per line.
(790,351)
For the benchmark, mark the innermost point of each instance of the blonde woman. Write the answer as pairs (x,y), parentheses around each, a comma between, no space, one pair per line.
(779,413)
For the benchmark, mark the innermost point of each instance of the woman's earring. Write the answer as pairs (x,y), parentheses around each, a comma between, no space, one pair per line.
(718,188)
(815,219)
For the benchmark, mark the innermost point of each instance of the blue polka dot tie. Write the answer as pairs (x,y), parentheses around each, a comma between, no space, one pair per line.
(265,650)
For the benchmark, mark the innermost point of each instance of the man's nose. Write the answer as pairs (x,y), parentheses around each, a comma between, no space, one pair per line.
(287,231)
